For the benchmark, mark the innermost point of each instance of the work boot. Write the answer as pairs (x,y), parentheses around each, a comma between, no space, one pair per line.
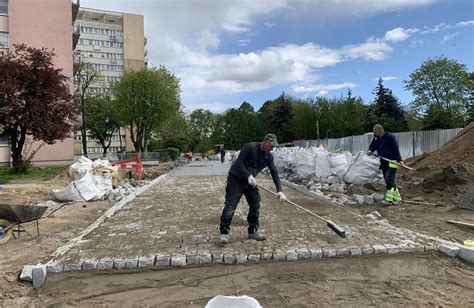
(223,238)
(396,195)
(389,195)
(257,236)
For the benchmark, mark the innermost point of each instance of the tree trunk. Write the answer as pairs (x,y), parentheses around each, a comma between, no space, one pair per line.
(83,127)
(16,149)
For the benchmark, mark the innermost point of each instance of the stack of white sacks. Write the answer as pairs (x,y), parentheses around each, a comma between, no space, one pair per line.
(320,170)
(92,181)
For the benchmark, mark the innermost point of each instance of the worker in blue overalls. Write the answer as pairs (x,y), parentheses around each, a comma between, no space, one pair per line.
(386,146)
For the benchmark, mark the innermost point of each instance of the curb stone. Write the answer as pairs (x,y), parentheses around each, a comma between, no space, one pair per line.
(105,264)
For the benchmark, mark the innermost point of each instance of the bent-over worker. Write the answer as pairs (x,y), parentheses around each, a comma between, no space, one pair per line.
(386,145)
(253,157)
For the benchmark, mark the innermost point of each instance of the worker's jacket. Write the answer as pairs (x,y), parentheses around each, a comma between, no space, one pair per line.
(386,146)
(251,161)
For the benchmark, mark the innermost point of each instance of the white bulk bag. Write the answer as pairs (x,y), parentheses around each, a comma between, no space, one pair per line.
(364,169)
(305,164)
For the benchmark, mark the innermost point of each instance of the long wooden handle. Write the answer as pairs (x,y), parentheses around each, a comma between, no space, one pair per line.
(294,204)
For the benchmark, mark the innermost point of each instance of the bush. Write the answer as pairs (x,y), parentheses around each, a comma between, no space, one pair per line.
(173,153)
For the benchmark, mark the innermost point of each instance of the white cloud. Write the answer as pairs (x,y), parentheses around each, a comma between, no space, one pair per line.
(322,88)
(449,37)
(270,25)
(387,78)
(397,34)
(465,23)
(186,35)
(323,93)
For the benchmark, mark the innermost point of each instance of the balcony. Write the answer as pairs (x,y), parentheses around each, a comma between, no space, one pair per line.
(75,9)
(76,33)
(76,63)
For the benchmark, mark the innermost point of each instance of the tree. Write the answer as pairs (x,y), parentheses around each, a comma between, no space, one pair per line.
(174,132)
(240,126)
(201,124)
(303,124)
(102,118)
(441,83)
(386,110)
(86,75)
(146,98)
(35,101)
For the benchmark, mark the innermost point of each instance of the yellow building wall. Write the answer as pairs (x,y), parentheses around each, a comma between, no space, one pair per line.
(134,42)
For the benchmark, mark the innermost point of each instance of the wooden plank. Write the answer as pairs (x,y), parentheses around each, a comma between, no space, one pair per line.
(460,223)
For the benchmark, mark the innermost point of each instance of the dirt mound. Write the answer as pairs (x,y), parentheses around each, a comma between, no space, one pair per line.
(458,174)
(460,149)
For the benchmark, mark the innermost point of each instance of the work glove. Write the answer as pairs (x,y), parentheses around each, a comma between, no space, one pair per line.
(369,152)
(252,181)
(281,196)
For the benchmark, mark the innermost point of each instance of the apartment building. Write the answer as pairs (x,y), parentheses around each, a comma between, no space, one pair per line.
(49,24)
(113,43)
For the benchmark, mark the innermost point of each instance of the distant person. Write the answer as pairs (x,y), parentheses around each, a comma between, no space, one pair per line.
(253,157)
(222,155)
(189,155)
(386,145)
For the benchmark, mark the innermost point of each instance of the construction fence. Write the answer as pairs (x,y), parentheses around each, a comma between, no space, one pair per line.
(411,143)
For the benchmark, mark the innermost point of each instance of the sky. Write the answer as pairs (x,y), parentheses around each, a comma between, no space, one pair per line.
(226,52)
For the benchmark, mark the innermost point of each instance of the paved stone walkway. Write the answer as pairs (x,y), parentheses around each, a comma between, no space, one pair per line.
(175,223)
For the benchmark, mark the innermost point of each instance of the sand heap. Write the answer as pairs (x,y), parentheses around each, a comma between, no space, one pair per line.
(452,164)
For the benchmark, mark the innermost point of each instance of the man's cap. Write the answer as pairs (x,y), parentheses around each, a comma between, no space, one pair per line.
(272,138)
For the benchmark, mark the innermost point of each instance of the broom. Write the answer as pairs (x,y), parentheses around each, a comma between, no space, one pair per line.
(340,231)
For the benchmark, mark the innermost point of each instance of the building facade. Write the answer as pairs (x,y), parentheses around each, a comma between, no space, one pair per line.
(112,43)
(49,24)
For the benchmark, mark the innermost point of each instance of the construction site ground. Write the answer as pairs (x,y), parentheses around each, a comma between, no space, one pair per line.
(381,262)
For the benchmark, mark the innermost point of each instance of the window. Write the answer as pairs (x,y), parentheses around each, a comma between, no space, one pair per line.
(3,40)
(3,7)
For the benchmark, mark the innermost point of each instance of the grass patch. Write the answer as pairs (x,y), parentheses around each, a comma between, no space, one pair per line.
(35,173)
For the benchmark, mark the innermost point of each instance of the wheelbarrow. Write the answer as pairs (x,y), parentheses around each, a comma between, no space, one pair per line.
(12,216)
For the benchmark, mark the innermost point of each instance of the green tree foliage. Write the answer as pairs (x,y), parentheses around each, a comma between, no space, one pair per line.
(172,133)
(147,98)
(102,117)
(386,110)
(303,124)
(240,126)
(441,87)
(201,124)
(276,115)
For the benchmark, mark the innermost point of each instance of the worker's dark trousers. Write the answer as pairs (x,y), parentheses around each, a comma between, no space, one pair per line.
(389,176)
(233,192)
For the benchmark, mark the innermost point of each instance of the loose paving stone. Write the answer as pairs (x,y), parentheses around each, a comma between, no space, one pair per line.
(241,257)
(218,257)
(55,267)
(163,259)
(146,261)
(316,253)
(70,267)
(431,248)
(89,265)
(38,275)
(279,255)
(229,259)
(178,260)
(329,253)
(204,257)
(192,259)
(303,253)
(451,251)
(467,254)
(291,254)
(105,264)
(392,249)
(343,252)
(254,257)
(266,255)
(356,252)
(367,250)
(378,249)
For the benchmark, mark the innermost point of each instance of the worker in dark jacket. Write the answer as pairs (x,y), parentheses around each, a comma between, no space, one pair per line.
(386,145)
(253,157)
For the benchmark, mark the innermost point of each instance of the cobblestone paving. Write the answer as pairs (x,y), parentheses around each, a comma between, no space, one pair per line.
(175,223)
